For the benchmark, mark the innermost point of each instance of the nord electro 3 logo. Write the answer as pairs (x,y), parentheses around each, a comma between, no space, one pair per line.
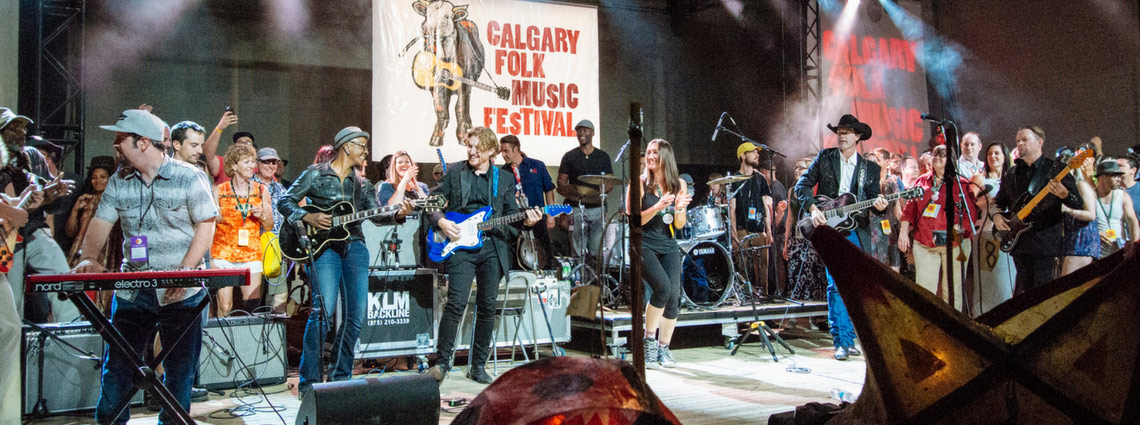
(60,287)
(136,284)
(389,305)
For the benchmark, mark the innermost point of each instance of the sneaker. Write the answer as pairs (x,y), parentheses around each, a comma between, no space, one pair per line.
(652,358)
(665,357)
(854,351)
(840,353)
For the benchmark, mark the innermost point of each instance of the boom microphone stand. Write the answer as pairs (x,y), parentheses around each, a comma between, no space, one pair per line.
(318,299)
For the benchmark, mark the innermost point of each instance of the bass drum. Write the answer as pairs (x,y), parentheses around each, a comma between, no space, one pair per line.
(706,274)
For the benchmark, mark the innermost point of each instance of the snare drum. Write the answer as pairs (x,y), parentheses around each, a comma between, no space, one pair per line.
(706,274)
(706,222)
(616,255)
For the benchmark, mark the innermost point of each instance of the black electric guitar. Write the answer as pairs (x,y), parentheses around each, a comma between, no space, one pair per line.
(1020,222)
(342,214)
(841,211)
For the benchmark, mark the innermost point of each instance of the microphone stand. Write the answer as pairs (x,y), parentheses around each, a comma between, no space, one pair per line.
(318,299)
(949,180)
(746,139)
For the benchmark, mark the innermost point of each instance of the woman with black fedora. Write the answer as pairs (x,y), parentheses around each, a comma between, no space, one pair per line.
(835,171)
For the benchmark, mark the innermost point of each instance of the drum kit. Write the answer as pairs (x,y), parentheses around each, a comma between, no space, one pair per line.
(709,272)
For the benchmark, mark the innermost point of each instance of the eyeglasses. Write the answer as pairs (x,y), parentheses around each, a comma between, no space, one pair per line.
(268,161)
(361,145)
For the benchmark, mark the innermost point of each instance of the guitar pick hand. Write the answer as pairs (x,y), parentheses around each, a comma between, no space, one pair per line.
(319,220)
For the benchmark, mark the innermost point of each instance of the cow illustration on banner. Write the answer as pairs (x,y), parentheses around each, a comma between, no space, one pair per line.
(449,64)
(518,67)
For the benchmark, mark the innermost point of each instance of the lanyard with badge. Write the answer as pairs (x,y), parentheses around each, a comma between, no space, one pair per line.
(137,247)
(1109,232)
(243,208)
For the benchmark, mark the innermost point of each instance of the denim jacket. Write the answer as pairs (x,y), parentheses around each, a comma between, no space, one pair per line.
(323,188)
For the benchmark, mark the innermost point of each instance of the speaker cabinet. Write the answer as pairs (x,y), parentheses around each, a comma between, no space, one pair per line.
(404,399)
(71,377)
(259,342)
(401,315)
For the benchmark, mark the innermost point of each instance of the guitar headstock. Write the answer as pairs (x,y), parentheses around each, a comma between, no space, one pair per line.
(503,93)
(434,202)
(1078,158)
(913,193)
(557,210)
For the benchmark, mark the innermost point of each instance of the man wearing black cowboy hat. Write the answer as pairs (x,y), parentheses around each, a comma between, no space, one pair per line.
(836,171)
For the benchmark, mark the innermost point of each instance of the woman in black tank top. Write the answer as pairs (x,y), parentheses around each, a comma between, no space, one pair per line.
(664,200)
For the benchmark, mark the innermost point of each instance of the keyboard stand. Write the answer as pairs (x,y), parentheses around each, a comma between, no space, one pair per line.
(144,376)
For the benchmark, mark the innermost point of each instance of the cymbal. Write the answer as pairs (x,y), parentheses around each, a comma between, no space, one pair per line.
(729,179)
(599,179)
(580,193)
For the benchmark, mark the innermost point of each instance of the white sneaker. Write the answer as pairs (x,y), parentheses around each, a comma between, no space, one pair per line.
(665,357)
(652,354)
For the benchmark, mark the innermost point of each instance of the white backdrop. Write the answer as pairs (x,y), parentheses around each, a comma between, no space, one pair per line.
(540,51)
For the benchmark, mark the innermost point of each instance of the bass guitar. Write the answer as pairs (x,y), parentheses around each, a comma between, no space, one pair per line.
(840,212)
(1020,222)
(342,214)
(426,66)
(471,228)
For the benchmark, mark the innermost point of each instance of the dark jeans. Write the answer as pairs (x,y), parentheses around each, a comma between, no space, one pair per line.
(332,275)
(462,269)
(1033,271)
(137,320)
(839,323)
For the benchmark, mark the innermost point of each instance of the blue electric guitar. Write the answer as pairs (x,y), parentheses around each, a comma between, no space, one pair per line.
(471,228)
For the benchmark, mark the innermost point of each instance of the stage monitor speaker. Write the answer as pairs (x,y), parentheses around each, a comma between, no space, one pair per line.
(404,399)
(71,379)
(258,340)
(394,246)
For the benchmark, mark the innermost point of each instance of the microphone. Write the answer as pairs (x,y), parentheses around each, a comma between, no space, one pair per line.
(987,188)
(931,118)
(622,151)
(217,348)
(718,123)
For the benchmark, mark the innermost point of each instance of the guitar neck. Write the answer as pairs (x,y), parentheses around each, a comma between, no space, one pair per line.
(1041,194)
(502,221)
(471,82)
(361,215)
(861,205)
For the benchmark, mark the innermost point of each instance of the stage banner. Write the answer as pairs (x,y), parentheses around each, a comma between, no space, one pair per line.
(872,71)
(441,67)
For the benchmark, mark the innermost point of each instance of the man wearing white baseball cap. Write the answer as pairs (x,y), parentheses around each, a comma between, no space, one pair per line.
(167,213)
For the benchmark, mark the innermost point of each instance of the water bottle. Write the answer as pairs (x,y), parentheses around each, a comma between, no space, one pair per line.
(841,395)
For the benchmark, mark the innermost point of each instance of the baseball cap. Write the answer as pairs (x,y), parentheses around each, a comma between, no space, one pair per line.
(438,169)
(267,153)
(140,122)
(348,133)
(7,117)
(744,148)
(584,123)
(241,134)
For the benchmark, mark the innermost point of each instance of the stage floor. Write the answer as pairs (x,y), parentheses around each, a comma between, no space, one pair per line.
(708,387)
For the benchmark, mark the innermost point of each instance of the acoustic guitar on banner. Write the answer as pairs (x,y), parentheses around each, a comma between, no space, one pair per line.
(426,67)
(342,214)
(1020,222)
(471,228)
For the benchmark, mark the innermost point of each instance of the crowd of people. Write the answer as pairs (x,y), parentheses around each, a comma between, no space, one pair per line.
(172,198)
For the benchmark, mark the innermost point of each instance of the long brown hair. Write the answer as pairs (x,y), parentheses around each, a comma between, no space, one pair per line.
(668,166)
(393,179)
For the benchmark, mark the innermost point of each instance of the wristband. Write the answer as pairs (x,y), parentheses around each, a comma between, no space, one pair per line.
(218,130)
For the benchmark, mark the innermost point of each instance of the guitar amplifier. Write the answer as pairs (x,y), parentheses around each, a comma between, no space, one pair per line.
(394,247)
(531,292)
(255,341)
(71,377)
(401,316)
